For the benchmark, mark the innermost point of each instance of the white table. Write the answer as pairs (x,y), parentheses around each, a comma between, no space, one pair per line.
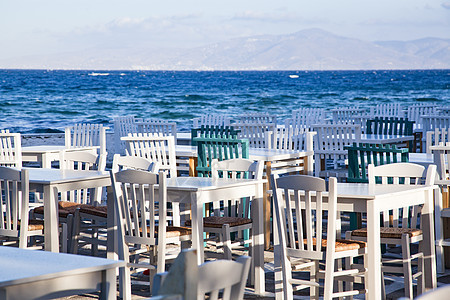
(360,197)
(385,139)
(45,154)
(30,274)
(271,158)
(197,191)
(52,181)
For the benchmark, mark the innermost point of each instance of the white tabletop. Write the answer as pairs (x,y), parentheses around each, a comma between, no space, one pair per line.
(207,183)
(385,139)
(21,266)
(53,148)
(53,176)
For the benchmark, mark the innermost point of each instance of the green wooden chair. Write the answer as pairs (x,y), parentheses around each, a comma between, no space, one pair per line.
(360,156)
(213,131)
(211,146)
(391,126)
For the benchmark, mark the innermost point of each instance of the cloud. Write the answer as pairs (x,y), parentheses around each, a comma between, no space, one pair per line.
(265,17)
(446,5)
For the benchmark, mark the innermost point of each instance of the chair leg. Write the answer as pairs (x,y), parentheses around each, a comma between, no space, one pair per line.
(75,235)
(407,269)
(226,234)
(314,276)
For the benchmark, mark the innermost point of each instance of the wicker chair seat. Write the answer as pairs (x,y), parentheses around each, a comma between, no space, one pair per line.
(218,222)
(173,231)
(340,245)
(390,232)
(99,211)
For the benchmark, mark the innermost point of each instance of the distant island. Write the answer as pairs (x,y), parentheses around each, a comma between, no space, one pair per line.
(310,49)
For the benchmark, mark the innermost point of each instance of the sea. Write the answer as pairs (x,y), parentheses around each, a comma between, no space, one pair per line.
(46,101)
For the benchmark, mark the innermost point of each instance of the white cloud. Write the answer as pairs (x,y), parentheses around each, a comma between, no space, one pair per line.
(446,5)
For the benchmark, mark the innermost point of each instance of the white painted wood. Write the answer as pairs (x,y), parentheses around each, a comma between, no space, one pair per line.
(259,134)
(233,207)
(416,111)
(134,194)
(211,120)
(122,127)
(257,118)
(157,127)
(194,282)
(291,194)
(329,151)
(433,122)
(86,135)
(387,110)
(133,162)
(10,149)
(439,136)
(404,217)
(305,117)
(39,274)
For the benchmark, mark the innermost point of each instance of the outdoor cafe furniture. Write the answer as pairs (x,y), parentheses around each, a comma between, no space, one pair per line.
(15,223)
(191,282)
(403,228)
(10,149)
(155,126)
(86,135)
(29,274)
(441,155)
(197,191)
(232,215)
(300,243)
(373,200)
(45,154)
(211,120)
(305,117)
(135,195)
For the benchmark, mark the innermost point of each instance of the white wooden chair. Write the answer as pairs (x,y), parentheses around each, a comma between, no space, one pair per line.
(299,234)
(122,127)
(257,118)
(404,227)
(156,148)
(329,153)
(10,149)
(142,228)
(437,137)
(294,139)
(346,115)
(86,135)
(232,215)
(259,134)
(416,111)
(133,162)
(15,223)
(192,282)
(387,110)
(211,120)
(433,122)
(305,117)
(441,159)
(160,127)
(441,293)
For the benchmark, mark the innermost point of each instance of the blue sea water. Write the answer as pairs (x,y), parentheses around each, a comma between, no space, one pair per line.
(39,101)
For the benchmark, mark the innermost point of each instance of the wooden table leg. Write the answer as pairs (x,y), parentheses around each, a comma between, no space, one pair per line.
(266,206)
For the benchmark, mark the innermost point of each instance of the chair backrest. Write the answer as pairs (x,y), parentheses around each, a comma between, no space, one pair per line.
(346,115)
(389,126)
(157,126)
(212,131)
(441,158)
(416,111)
(131,201)
(122,127)
(330,142)
(211,120)
(437,137)
(154,147)
(259,135)
(294,193)
(292,138)
(402,173)
(433,122)
(360,156)
(387,110)
(192,282)
(14,195)
(10,149)
(82,160)
(238,168)
(221,148)
(133,162)
(257,118)
(305,117)
(86,135)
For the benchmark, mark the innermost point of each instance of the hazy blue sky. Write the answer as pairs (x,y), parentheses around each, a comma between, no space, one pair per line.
(51,26)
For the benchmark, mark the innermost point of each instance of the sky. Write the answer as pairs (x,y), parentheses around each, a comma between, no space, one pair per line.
(46,27)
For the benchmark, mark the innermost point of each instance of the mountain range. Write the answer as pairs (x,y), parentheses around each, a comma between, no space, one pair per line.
(310,49)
